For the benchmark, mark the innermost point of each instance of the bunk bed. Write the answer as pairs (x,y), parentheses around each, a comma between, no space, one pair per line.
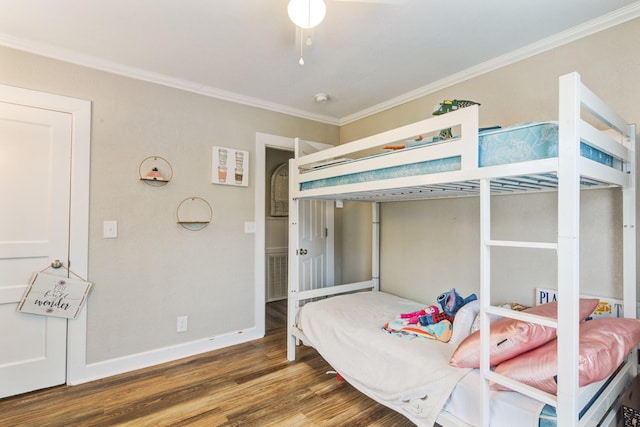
(593,148)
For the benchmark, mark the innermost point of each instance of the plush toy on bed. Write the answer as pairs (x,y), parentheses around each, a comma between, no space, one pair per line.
(441,331)
(448,106)
(413,317)
(427,316)
(451,301)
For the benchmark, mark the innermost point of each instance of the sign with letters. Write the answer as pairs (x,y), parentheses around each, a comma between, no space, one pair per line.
(52,295)
(607,307)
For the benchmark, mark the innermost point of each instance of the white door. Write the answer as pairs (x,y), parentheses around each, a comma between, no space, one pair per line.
(35,179)
(316,233)
(315,255)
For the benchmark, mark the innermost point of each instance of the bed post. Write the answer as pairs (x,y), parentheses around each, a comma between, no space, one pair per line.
(629,231)
(293,278)
(485,295)
(375,246)
(629,237)
(568,247)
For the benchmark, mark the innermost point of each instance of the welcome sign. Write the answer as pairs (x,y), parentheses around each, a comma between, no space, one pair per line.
(57,296)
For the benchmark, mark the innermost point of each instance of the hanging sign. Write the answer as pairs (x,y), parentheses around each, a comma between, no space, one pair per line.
(52,295)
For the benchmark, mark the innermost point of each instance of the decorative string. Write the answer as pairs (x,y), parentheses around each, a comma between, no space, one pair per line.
(301,61)
(66,268)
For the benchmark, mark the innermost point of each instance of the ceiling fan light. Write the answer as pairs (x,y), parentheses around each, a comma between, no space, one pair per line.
(306,13)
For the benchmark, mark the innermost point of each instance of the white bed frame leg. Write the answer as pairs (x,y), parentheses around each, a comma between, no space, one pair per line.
(568,248)
(294,284)
(485,295)
(629,233)
(375,246)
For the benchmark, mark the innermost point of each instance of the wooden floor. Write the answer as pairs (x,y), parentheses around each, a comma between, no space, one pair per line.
(250,384)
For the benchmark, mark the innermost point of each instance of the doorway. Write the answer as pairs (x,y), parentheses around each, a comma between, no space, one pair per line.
(276,223)
(271,151)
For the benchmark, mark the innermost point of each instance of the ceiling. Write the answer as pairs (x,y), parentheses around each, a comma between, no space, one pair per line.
(366,56)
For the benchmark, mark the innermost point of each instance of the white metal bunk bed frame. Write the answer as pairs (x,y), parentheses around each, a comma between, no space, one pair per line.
(471,179)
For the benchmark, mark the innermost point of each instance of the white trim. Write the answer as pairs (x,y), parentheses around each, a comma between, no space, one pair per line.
(263,140)
(588,28)
(601,23)
(96,63)
(154,357)
(80,111)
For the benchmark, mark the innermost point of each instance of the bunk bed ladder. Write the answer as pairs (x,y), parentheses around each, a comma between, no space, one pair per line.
(487,309)
(574,97)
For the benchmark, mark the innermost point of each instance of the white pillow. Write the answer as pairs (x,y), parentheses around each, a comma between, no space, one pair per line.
(463,320)
(492,318)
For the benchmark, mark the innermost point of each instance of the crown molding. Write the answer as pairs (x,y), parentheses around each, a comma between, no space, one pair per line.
(599,24)
(96,63)
(591,27)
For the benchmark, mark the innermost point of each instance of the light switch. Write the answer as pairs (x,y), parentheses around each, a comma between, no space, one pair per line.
(110,229)
(249,227)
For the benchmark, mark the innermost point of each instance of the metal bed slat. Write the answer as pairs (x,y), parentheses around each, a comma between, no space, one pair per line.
(510,185)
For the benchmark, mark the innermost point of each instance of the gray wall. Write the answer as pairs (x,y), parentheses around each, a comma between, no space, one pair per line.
(429,247)
(156,270)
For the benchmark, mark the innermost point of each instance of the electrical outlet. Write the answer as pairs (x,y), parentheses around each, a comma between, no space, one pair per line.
(182,322)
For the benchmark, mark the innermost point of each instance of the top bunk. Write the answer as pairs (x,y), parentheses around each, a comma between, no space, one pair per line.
(411,162)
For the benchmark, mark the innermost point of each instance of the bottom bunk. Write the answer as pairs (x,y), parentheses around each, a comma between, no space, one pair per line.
(357,334)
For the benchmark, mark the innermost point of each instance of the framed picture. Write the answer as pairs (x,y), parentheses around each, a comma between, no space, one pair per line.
(230,167)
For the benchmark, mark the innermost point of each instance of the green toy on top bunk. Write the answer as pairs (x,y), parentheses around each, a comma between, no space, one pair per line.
(448,106)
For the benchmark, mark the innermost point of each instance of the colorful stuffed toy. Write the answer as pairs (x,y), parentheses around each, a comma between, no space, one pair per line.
(413,318)
(452,301)
(441,331)
(448,106)
(434,318)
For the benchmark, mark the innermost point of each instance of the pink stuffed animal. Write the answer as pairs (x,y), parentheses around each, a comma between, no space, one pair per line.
(415,316)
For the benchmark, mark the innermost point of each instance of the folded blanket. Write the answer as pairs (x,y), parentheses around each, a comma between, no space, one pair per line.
(441,331)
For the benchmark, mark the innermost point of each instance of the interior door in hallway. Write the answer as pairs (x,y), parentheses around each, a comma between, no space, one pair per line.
(316,233)
(35,165)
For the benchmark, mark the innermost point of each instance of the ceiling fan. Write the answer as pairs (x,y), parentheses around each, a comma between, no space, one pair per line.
(306,14)
(309,13)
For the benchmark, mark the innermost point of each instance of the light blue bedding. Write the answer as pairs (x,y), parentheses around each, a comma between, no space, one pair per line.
(529,141)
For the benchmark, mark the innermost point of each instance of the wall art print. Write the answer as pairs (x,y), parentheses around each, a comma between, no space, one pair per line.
(230,167)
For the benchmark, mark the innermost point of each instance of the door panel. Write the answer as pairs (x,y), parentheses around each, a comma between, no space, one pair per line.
(313,241)
(315,233)
(35,161)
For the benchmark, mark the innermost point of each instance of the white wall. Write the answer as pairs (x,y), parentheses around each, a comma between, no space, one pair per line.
(429,247)
(156,270)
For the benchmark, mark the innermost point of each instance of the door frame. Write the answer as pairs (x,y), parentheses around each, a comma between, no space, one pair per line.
(80,111)
(263,141)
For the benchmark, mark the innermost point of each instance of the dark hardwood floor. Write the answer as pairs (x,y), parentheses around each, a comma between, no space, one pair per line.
(250,384)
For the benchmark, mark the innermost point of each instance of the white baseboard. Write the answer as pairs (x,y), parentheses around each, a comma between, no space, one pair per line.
(107,368)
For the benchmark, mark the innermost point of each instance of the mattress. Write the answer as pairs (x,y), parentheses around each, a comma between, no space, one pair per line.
(506,406)
(520,143)
(411,376)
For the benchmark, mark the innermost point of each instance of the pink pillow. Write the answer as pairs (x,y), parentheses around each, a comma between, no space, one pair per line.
(604,343)
(510,338)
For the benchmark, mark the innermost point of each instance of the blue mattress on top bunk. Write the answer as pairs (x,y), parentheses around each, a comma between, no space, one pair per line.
(524,142)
